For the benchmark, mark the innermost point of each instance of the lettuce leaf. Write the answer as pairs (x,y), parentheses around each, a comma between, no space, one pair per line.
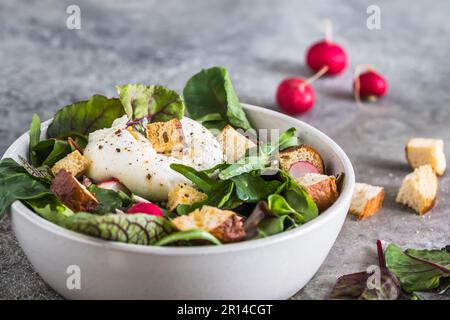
(157,103)
(210,97)
(81,118)
(35,136)
(141,229)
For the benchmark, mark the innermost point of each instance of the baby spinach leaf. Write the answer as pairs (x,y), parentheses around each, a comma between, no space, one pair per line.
(287,139)
(243,165)
(51,209)
(274,225)
(188,237)
(156,102)
(300,200)
(211,92)
(109,200)
(279,206)
(35,136)
(141,229)
(84,117)
(49,151)
(199,178)
(418,270)
(251,188)
(17,184)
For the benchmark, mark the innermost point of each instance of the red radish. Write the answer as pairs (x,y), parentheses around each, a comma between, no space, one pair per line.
(327,54)
(147,208)
(295,95)
(113,185)
(300,168)
(369,85)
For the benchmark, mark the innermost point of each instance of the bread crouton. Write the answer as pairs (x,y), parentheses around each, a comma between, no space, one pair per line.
(74,163)
(183,193)
(165,136)
(225,225)
(421,151)
(72,193)
(321,188)
(234,145)
(419,189)
(366,201)
(302,152)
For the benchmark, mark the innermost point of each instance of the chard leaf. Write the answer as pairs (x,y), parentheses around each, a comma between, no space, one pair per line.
(188,237)
(211,92)
(156,102)
(17,184)
(418,270)
(141,229)
(199,178)
(109,200)
(51,209)
(250,188)
(81,118)
(35,136)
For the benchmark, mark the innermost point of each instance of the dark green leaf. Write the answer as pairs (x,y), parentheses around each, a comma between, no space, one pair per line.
(211,92)
(250,188)
(49,151)
(279,206)
(199,178)
(35,136)
(141,229)
(17,184)
(418,270)
(300,200)
(274,225)
(156,102)
(109,200)
(84,117)
(188,237)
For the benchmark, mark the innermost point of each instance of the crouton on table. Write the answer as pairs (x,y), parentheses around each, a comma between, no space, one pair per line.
(302,152)
(225,225)
(419,189)
(321,188)
(366,201)
(72,193)
(183,193)
(165,136)
(74,163)
(234,145)
(421,151)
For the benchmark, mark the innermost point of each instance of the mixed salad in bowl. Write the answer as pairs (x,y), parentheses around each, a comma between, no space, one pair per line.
(141,169)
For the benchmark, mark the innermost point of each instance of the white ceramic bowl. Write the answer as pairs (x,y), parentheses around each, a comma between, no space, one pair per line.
(271,268)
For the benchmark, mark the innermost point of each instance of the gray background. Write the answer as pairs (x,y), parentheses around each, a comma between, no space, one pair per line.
(45,66)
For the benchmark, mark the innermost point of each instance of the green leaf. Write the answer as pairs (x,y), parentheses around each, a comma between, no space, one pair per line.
(299,199)
(157,102)
(287,139)
(41,173)
(187,237)
(109,200)
(418,270)
(141,229)
(211,92)
(271,226)
(84,117)
(49,151)
(250,188)
(199,178)
(35,136)
(279,206)
(17,184)
(243,165)
(51,209)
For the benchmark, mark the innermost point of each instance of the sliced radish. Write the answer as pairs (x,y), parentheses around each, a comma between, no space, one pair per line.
(146,208)
(300,168)
(113,185)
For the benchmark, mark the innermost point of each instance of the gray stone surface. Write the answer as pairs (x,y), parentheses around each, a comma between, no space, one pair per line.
(45,66)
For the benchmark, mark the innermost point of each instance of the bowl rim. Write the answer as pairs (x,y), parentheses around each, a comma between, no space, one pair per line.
(345,197)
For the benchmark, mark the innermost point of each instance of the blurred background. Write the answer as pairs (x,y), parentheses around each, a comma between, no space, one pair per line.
(44,66)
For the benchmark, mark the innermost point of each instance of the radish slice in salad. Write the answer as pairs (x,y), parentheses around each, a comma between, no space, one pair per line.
(147,208)
(300,168)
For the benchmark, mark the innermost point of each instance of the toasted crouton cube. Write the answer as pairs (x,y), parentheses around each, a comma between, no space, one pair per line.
(225,225)
(74,163)
(419,189)
(421,151)
(302,152)
(183,193)
(234,145)
(321,188)
(165,136)
(366,201)
(72,193)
